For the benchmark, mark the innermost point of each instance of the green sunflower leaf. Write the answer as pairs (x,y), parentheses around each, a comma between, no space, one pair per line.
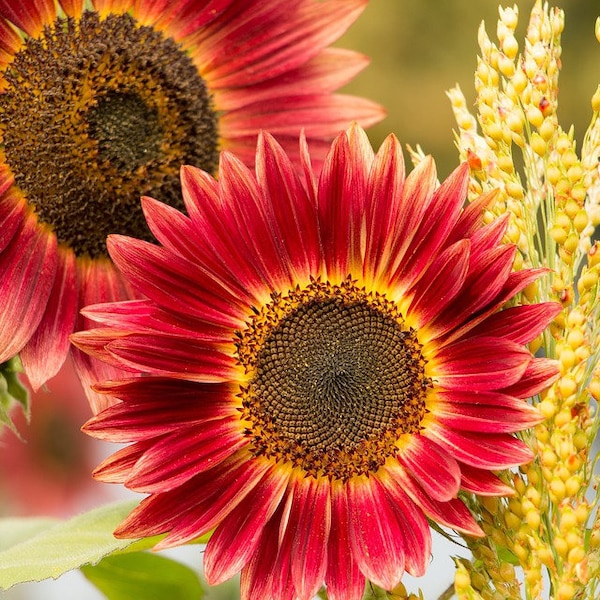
(143,575)
(12,391)
(38,549)
(15,530)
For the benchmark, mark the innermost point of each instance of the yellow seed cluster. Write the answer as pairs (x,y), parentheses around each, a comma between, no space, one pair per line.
(554,203)
(462,582)
(491,577)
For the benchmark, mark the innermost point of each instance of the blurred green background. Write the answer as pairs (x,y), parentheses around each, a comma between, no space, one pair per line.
(421,48)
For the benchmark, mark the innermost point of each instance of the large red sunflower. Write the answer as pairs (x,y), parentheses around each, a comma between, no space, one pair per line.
(101,106)
(329,361)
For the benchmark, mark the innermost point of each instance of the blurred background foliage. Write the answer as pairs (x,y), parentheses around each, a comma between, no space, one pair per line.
(421,48)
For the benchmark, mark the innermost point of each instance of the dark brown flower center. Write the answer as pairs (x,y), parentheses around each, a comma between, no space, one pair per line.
(336,380)
(96,113)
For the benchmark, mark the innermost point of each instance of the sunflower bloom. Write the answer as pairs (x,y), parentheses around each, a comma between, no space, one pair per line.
(329,362)
(101,106)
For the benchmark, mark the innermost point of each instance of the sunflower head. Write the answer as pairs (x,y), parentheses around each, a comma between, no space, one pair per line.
(102,102)
(329,361)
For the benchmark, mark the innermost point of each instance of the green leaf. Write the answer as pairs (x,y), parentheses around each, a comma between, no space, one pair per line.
(61,546)
(144,575)
(16,530)
(12,391)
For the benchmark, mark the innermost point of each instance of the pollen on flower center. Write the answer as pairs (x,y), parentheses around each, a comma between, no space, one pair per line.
(96,113)
(335,379)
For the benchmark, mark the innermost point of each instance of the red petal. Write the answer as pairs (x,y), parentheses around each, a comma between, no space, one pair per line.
(176,355)
(225,250)
(342,188)
(174,283)
(47,349)
(116,468)
(242,54)
(377,543)
(441,284)
(417,193)
(343,577)
(519,324)
(12,212)
(442,213)
(216,493)
(435,471)
(414,525)
(308,526)
(144,315)
(177,19)
(507,415)
(483,285)
(540,373)
(453,513)
(256,581)
(28,267)
(98,282)
(483,482)
(163,390)
(186,452)
(186,509)
(383,196)
(320,115)
(471,218)
(325,72)
(131,421)
(515,282)
(489,451)
(236,540)
(28,15)
(251,222)
(292,213)
(481,364)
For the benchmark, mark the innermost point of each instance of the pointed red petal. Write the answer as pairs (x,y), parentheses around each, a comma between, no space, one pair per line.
(342,188)
(453,513)
(47,349)
(309,525)
(236,540)
(29,15)
(507,416)
(489,451)
(98,282)
(188,451)
(377,543)
(28,267)
(520,324)
(481,364)
(178,356)
(483,483)
(540,373)
(442,213)
(343,577)
(225,494)
(12,212)
(433,293)
(415,527)
(173,282)
(293,214)
(435,471)
(384,192)
(256,581)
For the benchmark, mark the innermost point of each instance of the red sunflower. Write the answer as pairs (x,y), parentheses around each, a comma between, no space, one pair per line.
(329,361)
(101,106)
